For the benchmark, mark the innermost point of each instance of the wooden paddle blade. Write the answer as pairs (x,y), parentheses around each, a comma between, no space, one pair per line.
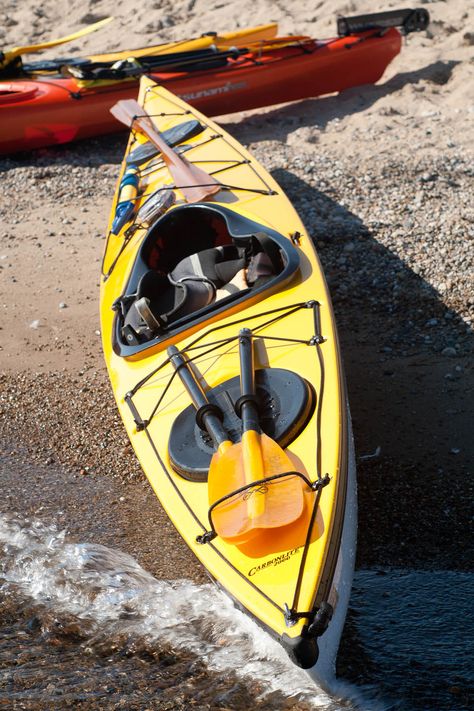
(194,183)
(122,113)
(267,506)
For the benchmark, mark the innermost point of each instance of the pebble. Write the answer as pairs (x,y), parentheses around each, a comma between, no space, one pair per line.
(449,352)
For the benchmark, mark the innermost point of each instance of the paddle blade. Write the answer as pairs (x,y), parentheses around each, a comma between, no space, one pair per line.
(10,54)
(278,43)
(194,183)
(264,507)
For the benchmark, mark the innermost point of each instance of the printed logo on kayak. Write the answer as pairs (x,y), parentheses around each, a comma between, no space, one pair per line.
(273,562)
(224,89)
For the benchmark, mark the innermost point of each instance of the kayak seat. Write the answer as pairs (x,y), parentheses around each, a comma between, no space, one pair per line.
(188,265)
(193,284)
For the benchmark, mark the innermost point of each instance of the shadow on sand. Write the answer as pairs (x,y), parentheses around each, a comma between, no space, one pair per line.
(321,110)
(414,496)
(406,397)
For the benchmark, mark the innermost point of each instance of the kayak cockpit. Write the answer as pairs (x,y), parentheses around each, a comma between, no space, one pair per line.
(191,265)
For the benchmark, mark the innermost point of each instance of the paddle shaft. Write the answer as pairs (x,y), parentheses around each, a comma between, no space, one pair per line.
(252,454)
(248,404)
(210,420)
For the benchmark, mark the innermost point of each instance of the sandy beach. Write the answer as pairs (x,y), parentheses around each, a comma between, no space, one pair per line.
(382,177)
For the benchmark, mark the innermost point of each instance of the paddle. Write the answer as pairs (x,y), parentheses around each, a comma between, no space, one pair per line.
(210,416)
(271,504)
(278,43)
(194,183)
(130,67)
(11,54)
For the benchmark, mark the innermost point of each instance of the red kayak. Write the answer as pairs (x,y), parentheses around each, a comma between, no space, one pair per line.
(50,110)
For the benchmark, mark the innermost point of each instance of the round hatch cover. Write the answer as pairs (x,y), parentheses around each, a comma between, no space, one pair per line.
(286,403)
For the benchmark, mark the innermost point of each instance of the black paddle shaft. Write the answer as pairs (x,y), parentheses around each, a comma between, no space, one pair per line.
(208,416)
(247,404)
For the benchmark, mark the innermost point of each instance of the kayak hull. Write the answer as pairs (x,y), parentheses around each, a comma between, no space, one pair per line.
(295,579)
(48,111)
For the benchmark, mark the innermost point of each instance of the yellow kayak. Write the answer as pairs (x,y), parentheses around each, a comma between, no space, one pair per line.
(220,342)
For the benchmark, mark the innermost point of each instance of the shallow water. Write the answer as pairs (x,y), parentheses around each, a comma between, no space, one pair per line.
(84,626)
(415,631)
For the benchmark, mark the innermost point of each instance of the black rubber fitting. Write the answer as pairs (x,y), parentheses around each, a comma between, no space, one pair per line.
(208,409)
(244,399)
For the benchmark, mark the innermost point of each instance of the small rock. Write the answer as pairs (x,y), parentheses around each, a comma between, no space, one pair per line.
(62,305)
(468,38)
(449,352)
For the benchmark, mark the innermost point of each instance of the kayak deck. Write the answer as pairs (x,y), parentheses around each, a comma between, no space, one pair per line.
(286,581)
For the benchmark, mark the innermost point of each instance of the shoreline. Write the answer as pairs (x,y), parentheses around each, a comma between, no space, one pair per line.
(381,176)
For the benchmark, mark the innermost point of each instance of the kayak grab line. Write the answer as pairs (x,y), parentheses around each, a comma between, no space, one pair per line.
(292,615)
(319,409)
(291,309)
(258,191)
(142,423)
(126,240)
(72,94)
(377,33)
(165,113)
(247,162)
(158,165)
(212,533)
(232,164)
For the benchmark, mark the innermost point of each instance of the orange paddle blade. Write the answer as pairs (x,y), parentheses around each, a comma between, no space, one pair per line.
(194,183)
(270,505)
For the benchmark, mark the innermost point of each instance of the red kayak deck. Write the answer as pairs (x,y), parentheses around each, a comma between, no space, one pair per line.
(50,111)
